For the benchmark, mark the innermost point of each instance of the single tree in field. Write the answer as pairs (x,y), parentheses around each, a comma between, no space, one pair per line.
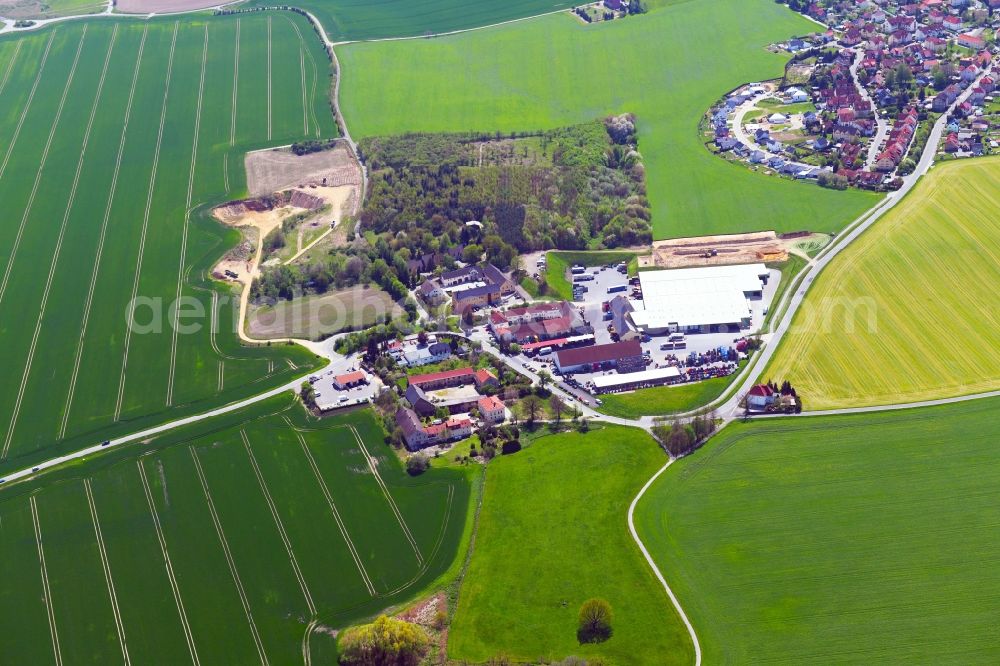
(595,621)
(532,405)
(557,406)
(544,378)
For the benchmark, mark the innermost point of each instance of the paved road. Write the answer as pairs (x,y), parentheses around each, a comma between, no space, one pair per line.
(881,126)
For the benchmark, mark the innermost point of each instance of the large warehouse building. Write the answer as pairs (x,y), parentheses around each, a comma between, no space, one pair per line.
(698,300)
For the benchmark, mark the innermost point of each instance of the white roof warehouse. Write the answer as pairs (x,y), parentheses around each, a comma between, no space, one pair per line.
(696,299)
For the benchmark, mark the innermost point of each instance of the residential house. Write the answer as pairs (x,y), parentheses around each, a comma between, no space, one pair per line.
(492,410)
(760,397)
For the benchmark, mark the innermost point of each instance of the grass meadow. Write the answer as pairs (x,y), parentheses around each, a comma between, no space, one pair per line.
(852,539)
(554,71)
(363,19)
(114,138)
(665,400)
(241,540)
(908,312)
(551,535)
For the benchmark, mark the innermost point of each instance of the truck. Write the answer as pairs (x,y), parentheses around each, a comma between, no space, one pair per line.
(618,288)
(577,270)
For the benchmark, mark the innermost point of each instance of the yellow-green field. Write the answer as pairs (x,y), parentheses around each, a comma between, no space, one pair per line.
(909,312)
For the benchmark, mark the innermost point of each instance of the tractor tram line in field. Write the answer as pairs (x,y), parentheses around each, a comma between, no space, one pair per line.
(59,243)
(108,578)
(282,532)
(46,590)
(372,465)
(102,236)
(10,67)
(229,556)
(27,105)
(185,225)
(145,220)
(41,168)
(268,78)
(336,515)
(236,92)
(175,589)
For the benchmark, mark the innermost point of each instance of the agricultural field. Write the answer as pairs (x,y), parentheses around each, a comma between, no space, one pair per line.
(311,317)
(362,19)
(115,138)
(245,539)
(851,539)
(663,70)
(908,311)
(41,9)
(552,534)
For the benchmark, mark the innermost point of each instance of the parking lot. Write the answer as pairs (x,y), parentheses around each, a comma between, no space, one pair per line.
(328,397)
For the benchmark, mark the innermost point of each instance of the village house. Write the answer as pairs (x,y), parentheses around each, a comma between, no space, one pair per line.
(492,409)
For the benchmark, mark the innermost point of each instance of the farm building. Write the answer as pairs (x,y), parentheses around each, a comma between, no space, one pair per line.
(625,356)
(697,300)
(545,321)
(636,380)
(419,436)
(349,380)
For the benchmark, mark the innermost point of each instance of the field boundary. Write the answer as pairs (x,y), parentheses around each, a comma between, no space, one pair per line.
(108,578)
(25,376)
(145,218)
(229,556)
(46,590)
(307,595)
(168,565)
(101,238)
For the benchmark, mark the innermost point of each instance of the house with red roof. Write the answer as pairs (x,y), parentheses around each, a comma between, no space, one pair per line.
(760,397)
(492,409)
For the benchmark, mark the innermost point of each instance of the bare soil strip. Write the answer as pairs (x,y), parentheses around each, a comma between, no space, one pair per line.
(119,626)
(184,232)
(168,565)
(59,243)
(100,242)
(46,590)
(307,595)
(229,556)
(145,219)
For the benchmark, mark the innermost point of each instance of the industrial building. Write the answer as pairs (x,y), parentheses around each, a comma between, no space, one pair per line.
(698,300)
(624,356)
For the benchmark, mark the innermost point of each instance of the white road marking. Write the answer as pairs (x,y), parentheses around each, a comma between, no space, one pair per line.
(119,625)
(281,527)
(167,564)
(41,167)
(184,233)
(100,242)
(145,221)
(336,515)
(229,556)
(47,591)
(55,257)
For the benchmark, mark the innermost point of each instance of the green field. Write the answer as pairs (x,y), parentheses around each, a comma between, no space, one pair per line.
(109,132)
(552,534)
(245,539)
(659,66)
(860,539)
(364,19)
(909,311)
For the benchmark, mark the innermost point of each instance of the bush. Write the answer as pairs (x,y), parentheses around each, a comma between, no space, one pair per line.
(385,642)
(417,464)
(510,446)
(595,621)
